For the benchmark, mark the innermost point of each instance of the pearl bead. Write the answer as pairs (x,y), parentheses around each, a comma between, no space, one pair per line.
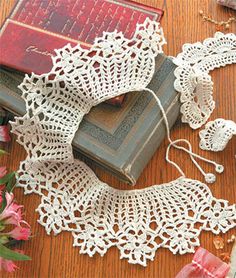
(219,168)
(210,178)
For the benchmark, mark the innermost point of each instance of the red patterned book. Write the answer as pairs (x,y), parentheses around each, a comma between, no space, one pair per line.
(36,27)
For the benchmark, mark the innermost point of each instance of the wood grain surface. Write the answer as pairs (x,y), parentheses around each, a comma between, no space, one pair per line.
(54,256)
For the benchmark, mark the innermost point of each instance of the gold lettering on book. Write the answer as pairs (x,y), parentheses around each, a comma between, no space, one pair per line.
(33,48)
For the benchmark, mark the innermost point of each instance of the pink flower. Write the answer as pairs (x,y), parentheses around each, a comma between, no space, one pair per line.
(7,265)
(1,189)
(4,133)
(3,171)
(20,233)
(12,211)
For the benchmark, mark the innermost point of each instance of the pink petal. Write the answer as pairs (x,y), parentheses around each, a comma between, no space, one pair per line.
(232,271)
(14,219)
(12,211)
(3,171)
(9,198)
(7,265)
(4,133)
(20,233)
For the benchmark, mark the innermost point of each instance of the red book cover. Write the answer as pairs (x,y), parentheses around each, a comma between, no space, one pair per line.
(36,27)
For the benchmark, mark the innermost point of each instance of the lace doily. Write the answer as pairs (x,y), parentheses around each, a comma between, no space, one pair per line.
(216,134)
(192,75)
(73,199)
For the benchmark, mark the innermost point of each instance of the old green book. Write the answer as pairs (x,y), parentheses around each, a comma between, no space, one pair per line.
(121,140)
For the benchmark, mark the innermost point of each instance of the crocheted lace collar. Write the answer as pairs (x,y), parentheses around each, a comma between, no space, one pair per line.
(138,222)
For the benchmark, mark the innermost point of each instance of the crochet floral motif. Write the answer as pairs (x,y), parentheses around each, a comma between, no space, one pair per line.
(192,75)
(216,134)
(137,222)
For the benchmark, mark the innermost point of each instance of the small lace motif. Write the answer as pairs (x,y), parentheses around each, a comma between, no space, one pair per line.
(73,199)
(217,134)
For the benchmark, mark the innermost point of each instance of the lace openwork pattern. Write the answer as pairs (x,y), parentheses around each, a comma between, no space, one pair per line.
(138,222)
(216,134)
(192,75)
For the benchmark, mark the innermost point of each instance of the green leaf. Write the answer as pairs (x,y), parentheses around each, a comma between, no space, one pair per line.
(4,203)
(8,254)
(7,178)
(2,152)
(4,239)
(13,243)
(11,182)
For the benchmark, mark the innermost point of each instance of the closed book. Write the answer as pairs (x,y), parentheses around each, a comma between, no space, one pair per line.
(121,140)
(36,27)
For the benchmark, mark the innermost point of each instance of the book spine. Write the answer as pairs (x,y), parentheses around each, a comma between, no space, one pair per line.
(10,95)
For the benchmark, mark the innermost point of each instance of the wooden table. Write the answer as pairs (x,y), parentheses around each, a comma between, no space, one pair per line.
(55,256)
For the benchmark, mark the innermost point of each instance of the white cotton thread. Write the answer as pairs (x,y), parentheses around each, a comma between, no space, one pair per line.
(209,177)
(72,197)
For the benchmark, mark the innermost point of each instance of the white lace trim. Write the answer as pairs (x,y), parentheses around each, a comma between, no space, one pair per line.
(81,78)
(216,134)
(192,75)
(138,222)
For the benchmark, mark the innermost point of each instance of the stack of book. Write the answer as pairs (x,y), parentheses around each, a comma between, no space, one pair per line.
(120,139)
